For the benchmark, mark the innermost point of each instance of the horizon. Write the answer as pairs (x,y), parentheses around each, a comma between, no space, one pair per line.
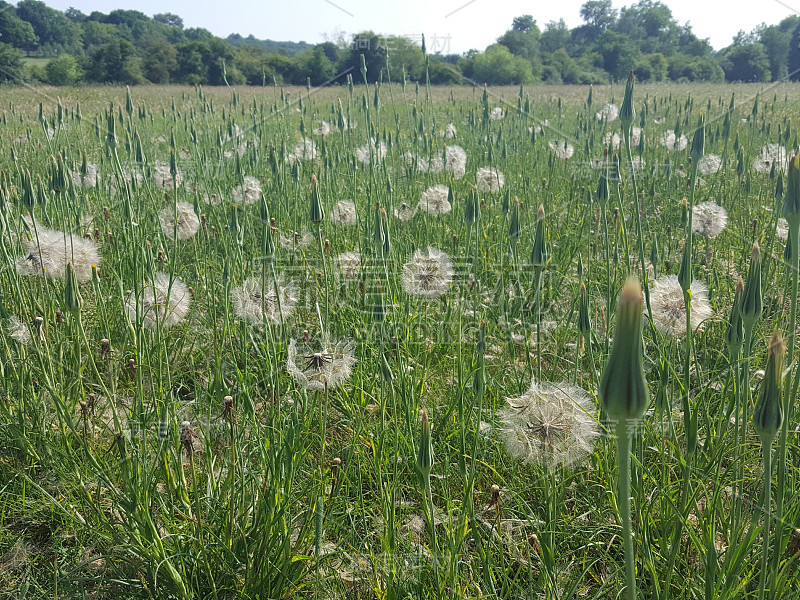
(445,27)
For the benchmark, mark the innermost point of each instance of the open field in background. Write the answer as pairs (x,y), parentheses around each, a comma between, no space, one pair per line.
(222,394)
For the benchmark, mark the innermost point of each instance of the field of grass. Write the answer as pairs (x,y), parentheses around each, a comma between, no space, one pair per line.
(371,343)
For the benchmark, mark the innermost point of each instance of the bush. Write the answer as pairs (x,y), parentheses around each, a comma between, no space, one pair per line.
(63,70)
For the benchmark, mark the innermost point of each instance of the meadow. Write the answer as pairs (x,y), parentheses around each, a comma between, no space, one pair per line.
(399,342)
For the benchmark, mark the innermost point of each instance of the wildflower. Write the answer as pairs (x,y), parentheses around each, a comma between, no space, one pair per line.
(249,192)
(450,131)
(328,367)
(164,178)
(455,161)
(428,274)
(344,213)
(609,113)
(255,301)
(552,424)
(434,200)
(489,179)
(709,219)
(771,154)
(611,139)
(162,302)
(404,212)
(18,331)
(669,309)
(563,150)
(497,113)
(181,222)
(370,152)
(709,164)
(52,252)
(671,142)
(348,265)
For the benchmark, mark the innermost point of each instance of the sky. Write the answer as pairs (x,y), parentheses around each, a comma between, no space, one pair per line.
(450,26)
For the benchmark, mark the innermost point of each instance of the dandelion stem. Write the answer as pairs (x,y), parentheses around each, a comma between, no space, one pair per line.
(624,503)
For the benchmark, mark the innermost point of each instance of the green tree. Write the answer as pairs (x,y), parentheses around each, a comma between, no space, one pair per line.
(598,16)
(160,61)
(405,54)
(619,53)
(373,47)
(497,66)
(10,63)
(169,20)
(318,67)
(64,70)
(52,27)
(776,40)
(14,31)
(746,62)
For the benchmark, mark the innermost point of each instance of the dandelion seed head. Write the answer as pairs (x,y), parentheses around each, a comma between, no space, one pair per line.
(709,164)
(434,200)
(669,310)
(248,192)
(327,365)
(255,301)
(344,213)
(709,219)
(497,113)
(552,424)
(404,212)
(18,331)
(771,154)
(489,179)
(53,251)
(455,161)
(181,222)
(672,143)
(162,302)
(372,151)
(428,274)
(348,266)
(609,113)
(562,149)
(163,177)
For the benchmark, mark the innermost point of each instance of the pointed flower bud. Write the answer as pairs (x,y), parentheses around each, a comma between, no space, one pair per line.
(768,414)
(791,201)
(698,142)
(425,451)
(317,212)
(627,112)
(752,302)
(584,321)
(72,300)
(539,255)
(514,229)
(734,334)
(623,390)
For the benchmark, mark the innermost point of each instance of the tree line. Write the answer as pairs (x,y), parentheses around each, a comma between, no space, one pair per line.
(127,46)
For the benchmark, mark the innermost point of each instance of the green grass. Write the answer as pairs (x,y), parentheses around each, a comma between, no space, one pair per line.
(108,502)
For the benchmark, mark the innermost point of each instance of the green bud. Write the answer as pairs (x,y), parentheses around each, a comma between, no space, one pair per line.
(514,229)
(791,201)
(539,255)
(317,212)
(584,321)
(627,112)
(378,233)
(752,302)
(72,300)
(734,334)
(425,452)
(768,413)
(623,390)
(698,142)
(472,211)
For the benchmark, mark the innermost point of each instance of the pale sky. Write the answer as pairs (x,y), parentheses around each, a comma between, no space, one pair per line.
(449,25)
